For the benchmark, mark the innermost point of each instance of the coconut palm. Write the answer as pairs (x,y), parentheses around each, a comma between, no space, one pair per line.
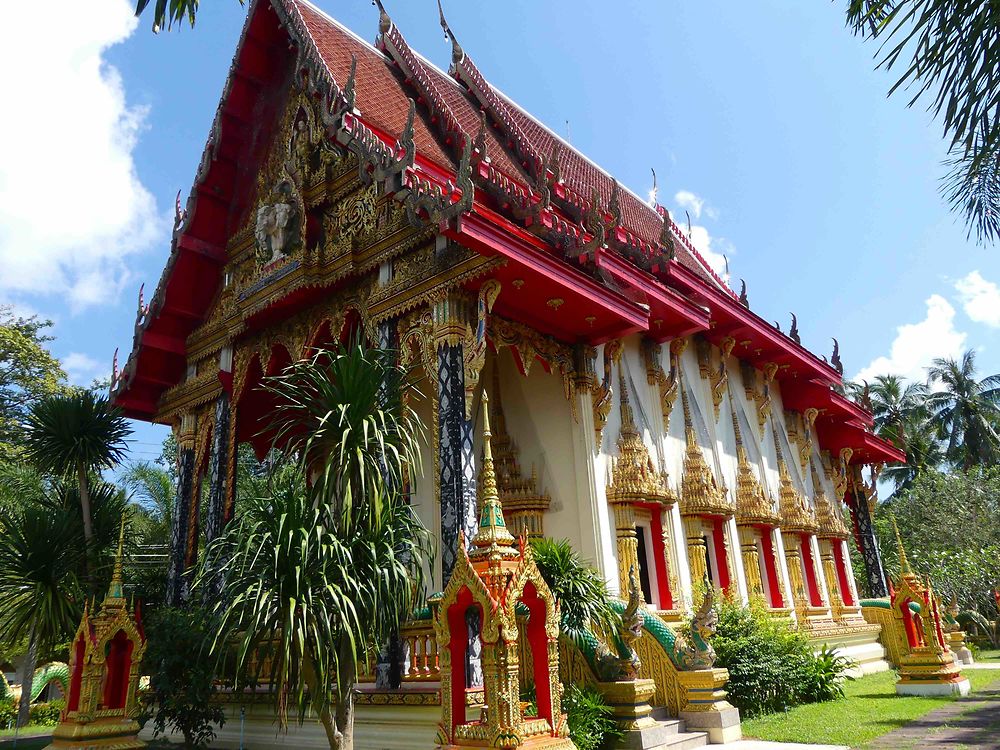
(39,585)
(946,56)
(965,410)
(73,435)
(153,492)
(315,576)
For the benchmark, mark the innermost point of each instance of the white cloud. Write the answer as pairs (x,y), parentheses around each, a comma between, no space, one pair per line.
(917,344)
(72,207)
(980,299)
(690,202)
(82,369)
(714,250)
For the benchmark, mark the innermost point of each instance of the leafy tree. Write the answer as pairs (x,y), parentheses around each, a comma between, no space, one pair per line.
(965,410)
(153,491)
(74,434)
(39,585)
(947,54)
(28,372)
(314,577)
(950,527)
(181,677)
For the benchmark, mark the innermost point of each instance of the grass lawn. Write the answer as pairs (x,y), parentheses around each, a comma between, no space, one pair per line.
(989,655)
(870,710)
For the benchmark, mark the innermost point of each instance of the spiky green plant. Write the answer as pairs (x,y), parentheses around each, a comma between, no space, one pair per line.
(315,576)
(73,435)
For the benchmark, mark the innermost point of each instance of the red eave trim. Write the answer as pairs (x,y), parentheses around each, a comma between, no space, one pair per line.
(488,232)
(729,317)
(677,315)
(868,448)
(800,396)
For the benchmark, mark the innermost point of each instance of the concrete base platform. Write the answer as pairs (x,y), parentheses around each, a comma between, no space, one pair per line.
(933,688)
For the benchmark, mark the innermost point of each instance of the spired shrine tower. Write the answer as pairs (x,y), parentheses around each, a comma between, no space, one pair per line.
(350,188)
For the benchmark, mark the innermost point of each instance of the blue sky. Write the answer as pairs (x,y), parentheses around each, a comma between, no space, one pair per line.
(766,121)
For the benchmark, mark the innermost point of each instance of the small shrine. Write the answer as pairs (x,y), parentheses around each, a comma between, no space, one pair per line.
(494,578)
(105,655)
(927,665)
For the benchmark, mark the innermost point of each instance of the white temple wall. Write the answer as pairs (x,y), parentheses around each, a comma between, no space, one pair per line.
(422,495)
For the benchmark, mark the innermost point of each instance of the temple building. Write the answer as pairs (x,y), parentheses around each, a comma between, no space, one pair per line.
(639,407)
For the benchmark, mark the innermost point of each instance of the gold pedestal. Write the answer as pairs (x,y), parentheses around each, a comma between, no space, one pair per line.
(927,671)
(707,709)
(113,733)
(630,702)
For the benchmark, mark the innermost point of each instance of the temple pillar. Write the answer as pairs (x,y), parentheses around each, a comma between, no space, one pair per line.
(181,520)
(835,599)
(697,549)
(627,543)
(868,544)
(218,470)
(799,592)
(456,455)
(751,561)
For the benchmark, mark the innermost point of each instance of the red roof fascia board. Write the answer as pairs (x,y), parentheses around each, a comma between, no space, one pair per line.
(765,344)
(671,314)
(489,233)
(801,395)
(867,447)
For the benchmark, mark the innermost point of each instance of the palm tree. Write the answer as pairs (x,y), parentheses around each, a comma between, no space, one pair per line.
(923,453)
(964,410)
(895,405)
(153,492)
(73,435)
(315,576)
(39,587)
(946,52)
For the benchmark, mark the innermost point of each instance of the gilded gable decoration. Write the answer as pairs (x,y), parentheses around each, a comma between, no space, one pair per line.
(665,383)
(700,493)
(753,506)
(829,519)
(796,515)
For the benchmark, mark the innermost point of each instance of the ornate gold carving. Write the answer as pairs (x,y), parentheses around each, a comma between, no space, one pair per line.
(753,506)
(495,577)
(555,303)
(829,520)
(601,394)
(751,560)
(634,478)
(666,384)
(796,515)
(720,377)
(700,493)
(107,650)
(764,398)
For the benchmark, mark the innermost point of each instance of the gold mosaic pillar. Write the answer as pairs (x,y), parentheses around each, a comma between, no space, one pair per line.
(751,562)
(697,549)
(793,558)
(832,581)
(628,543)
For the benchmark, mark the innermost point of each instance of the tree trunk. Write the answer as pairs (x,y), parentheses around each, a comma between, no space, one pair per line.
(28,678)
(88,523)
(345,696)
(325,715)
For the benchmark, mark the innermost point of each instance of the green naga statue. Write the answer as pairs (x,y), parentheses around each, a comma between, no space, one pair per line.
(697,652)
(55,671)
(623,663)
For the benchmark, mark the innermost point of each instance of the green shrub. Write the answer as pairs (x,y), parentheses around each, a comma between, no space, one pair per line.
(181,676)
(8,713)
(47,714)
(771,665)
(590,718)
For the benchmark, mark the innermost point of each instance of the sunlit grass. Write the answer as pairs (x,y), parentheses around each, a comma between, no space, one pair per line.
(870,710)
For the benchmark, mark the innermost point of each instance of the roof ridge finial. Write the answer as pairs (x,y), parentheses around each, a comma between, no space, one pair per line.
(384,22)
(904,563)
(457,53)
(493,539)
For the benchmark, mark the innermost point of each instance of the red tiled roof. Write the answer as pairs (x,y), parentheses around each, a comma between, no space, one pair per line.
(381,97)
